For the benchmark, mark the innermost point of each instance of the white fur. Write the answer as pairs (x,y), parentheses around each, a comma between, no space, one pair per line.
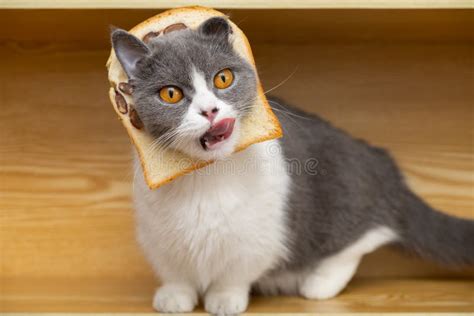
(285,282)
(216,230)
(174,297)
(332,274)
(194,124)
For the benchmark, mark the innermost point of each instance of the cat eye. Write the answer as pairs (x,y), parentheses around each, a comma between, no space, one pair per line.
(223,79)
(171,94)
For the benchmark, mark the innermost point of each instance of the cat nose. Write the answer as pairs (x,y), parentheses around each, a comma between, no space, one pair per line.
(210,115)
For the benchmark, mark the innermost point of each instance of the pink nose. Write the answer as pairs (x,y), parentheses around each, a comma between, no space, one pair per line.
(210,115)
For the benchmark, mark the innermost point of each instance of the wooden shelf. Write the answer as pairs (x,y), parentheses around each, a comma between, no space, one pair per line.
(242,4)
(66,224)
(135,295)
(65,164)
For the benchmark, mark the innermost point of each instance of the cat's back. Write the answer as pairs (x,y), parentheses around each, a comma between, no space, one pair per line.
(308,137)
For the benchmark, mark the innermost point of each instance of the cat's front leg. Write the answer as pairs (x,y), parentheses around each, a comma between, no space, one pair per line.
(227,298)
(178,293)
(228,293)
(175,297)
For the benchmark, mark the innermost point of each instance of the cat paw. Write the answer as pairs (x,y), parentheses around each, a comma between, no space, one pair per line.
(174,299)
(321,288)
(226,303)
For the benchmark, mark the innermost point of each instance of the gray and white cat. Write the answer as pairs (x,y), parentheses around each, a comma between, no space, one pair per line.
(289,216)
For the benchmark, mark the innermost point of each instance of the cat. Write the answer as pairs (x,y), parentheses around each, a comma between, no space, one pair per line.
(292,216)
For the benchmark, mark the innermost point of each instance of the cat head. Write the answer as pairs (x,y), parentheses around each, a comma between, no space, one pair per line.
(191,88)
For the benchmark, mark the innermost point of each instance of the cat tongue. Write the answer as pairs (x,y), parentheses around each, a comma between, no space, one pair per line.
(218,132)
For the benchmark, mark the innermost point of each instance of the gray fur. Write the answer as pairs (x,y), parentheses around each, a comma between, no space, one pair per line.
(129,50)
(358,187)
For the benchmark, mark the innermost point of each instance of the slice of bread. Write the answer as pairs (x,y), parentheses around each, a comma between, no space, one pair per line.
(161,166)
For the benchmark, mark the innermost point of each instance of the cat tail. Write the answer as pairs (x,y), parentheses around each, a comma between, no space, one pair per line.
(436,236)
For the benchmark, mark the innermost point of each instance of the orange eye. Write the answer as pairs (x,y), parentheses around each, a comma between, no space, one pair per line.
(171,94)
(223,79)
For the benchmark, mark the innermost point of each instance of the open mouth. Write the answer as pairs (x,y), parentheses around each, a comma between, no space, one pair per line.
(217,134)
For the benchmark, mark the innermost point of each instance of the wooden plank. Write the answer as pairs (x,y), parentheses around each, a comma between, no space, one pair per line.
(206,314)
(269,26)
(135,295)
(243,4)
(244,314)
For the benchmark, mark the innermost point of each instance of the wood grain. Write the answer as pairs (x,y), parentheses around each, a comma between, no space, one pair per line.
(274,4)
(263,25)
(66,228)
(134,295)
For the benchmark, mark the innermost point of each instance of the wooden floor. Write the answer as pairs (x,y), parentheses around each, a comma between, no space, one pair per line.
(66,229)
(134,295)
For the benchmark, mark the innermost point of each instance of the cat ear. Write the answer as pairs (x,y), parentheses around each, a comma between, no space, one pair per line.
(129,50)
(216,27)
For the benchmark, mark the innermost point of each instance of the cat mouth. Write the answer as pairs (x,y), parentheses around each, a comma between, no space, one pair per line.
(217,134)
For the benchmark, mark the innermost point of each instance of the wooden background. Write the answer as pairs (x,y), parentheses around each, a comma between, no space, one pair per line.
(226,4)
(403,80)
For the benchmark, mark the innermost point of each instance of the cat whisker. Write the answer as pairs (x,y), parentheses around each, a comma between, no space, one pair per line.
(282,82)
(161,142)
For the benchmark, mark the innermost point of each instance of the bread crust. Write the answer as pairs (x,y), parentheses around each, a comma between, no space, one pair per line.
(152,177)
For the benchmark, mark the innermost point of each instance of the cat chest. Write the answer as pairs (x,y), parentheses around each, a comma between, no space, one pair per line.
(222,220)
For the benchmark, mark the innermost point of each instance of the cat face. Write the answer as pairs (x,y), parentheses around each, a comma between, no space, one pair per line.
(191,89)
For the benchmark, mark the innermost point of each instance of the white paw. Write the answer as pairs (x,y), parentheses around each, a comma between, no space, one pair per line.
(321,288)
(174,299)
(227,302)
